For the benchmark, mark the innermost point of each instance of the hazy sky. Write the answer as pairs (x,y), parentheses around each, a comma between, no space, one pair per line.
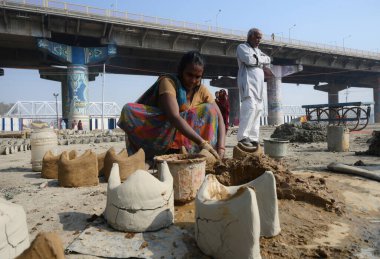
(324,21)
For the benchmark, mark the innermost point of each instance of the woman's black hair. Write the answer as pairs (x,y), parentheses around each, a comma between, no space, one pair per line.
(191,57)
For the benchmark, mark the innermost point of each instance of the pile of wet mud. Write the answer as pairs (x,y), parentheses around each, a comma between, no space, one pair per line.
(312,190)
(374,145)
(305,132)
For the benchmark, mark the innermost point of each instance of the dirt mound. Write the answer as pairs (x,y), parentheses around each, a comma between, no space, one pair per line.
(311,189)
(305,132)
(374,145)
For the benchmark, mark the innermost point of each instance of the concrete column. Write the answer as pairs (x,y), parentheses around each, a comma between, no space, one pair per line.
(234,96)
(60,75)
(275,114)
(77,60)
(65,101)
(333,95)
(77,98)
(332,89)
(274,76)
(376,99)
(333,98)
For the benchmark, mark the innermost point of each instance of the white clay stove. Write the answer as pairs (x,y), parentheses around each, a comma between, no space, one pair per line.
(266,195)
(227,220)
(142,203)
(14,236)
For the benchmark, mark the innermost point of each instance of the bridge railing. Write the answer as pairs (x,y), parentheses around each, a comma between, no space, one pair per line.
(71,9)
(42,109)
(48,108)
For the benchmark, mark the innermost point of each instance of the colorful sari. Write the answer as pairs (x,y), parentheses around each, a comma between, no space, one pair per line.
(224,106)
(147,127)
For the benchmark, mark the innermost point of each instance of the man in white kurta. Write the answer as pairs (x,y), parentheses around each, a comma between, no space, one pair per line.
(251,85)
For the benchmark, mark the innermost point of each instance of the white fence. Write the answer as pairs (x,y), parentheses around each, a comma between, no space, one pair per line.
(47,109)
(10,124)
(287,119)
(108,123)
(17,124)
(23,113)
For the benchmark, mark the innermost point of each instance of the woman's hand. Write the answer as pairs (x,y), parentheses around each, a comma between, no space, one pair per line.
(221,151)
(209,148)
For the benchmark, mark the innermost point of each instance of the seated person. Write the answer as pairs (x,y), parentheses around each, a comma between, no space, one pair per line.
(176,111)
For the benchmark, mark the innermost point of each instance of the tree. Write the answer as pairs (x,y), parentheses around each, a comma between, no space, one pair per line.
(4,108)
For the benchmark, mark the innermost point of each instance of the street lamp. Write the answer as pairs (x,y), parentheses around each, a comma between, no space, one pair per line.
(56,106)
(207,21)
(103,82)
(348,36)
(277,33)
(114,6)
(216,17)
(294,25)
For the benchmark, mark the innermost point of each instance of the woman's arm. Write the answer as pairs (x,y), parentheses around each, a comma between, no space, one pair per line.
(169,105)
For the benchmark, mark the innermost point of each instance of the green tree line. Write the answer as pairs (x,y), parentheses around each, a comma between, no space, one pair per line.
(4,108)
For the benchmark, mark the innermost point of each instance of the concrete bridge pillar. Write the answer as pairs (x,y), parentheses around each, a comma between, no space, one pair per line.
(233,94)
(69,78)
(333,95)
(65,101)
(77,97)
(333,91)
(77,60)
(275,114)
(274,75)
(376,99)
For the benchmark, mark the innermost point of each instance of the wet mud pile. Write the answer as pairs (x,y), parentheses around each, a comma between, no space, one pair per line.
(312,190)
(303,133)
(374,146)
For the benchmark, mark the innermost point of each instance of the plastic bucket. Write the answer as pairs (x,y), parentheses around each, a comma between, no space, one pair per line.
(188,171)
(276,148)
(338,139)
(42,140)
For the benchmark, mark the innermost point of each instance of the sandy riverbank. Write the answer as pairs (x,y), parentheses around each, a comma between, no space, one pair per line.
(308,231)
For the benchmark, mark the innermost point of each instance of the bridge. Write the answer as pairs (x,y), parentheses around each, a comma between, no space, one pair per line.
(52,111)
(22,113)
(48,110)
(142,45)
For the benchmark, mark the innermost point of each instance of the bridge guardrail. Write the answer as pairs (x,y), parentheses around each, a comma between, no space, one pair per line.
(66,8)
(34,109)
(48,108)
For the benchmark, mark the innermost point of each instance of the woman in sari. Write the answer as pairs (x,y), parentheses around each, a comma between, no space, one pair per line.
(176,111)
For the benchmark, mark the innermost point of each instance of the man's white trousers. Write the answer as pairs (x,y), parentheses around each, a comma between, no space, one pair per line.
(249,120)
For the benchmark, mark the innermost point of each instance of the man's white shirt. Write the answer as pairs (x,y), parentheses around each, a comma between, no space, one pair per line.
(251,75)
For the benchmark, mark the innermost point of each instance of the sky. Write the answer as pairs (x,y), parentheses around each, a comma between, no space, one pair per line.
(336,22)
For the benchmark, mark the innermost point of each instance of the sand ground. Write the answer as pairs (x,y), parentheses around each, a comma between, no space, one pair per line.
(308,231)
